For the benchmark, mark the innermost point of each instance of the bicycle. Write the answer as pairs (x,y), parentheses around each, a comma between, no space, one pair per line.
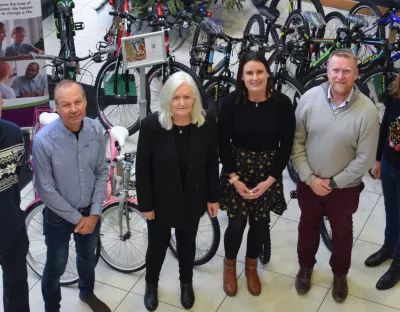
(117,89)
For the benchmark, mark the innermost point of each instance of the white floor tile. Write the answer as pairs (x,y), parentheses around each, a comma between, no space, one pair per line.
(374,229)
(362,280)
(109,276)
(136,301)
(207,282)
(70,298)
(24,203)
(352,304)
(30,195)
(26,190)
(368,200)
(372,185)
(284,236)
(278,294)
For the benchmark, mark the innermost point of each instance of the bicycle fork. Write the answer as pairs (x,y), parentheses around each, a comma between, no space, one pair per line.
(123,203)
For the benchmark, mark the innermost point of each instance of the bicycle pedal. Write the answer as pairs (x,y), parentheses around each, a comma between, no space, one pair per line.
(79,25)
(293,194)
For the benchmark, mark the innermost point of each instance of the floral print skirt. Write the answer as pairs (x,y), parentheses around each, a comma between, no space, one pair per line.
(252,168)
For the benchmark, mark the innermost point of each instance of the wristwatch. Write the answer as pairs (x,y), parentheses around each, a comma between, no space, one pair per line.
(332,183)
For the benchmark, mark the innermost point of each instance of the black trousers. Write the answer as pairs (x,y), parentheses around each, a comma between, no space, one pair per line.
(159,238)
(15,273)
(255,237)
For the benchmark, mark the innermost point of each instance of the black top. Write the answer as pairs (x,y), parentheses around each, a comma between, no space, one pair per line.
(256,127)
(389,134)
(12,218)
(182,141)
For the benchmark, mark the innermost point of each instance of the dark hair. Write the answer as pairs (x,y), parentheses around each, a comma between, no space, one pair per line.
(34,63)
(258,56)
(395,87)
(2,25)
(17,29)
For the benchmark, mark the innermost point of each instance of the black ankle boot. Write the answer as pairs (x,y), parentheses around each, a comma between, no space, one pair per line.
(391,277)
(151,297)
(187,295)
(379,257)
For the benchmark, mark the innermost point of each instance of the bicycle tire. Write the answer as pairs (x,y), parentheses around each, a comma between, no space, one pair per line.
(214,95)
(335,16)
(283,7)
(118,266)
(200,57)
(130,117)
(38,268)
(326,238)
(285,79)
(265,254)
(211,249)
(155,84)
(258,3)
(377,98)
(255,19)
(365,4)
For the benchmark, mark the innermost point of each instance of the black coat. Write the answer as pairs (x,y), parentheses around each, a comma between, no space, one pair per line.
(158,179)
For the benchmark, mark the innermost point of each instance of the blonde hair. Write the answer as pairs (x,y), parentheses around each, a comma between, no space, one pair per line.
(346,53)
(167,92)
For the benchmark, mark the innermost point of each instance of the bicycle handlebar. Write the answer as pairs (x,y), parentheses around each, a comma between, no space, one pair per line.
(106,50)
(126,15)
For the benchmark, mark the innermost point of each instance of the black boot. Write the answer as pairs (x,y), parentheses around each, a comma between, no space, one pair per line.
(151,297)
(187,295)
(391,277)
(379,257)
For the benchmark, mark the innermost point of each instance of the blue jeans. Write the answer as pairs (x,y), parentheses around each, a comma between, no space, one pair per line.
(57,233)
(391,193)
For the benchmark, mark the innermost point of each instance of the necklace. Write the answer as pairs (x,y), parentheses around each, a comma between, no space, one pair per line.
(180,129)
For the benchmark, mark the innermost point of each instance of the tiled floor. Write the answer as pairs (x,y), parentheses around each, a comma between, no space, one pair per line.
(124,292)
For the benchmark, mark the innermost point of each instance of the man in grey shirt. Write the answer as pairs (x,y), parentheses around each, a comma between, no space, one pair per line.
(31,84)
(334,146)
(71,177)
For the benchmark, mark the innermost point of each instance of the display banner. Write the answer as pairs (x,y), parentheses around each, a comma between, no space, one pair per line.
(23,80)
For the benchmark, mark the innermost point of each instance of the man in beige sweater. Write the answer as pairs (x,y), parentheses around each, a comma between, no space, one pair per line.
(335,144)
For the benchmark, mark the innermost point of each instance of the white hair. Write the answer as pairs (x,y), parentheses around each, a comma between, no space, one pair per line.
(174,82)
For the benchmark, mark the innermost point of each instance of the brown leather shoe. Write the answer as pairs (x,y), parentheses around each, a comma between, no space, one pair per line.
(340,289)
(303,281)
(253,280)
(230,279)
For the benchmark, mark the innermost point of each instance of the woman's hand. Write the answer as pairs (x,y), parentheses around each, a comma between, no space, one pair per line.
(260,189)
(242,189)
(212,209)
(149,215)
(376,170)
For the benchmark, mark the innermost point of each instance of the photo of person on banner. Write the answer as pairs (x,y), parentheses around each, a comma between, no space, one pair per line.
(32,83)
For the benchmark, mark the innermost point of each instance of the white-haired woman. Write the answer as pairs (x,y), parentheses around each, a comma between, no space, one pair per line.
(177,180)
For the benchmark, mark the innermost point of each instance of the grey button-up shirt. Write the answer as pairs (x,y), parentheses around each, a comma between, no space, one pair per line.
(23,85)
(71,174)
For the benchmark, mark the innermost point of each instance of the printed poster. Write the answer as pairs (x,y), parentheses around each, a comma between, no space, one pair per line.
(23,80)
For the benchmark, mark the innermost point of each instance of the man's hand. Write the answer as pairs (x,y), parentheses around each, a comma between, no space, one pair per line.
(213,209)
(26,94)
(37,93)
(86,225)
(149,215)
(320,186)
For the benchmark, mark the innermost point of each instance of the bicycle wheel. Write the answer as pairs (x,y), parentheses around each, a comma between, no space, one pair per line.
(156,78)
(126,253)
(285,7)
(258,3)
(265,254)
(207,240)
(326,232)
(294,90)
(120,108)
(216,88)
(36,257)
(334,20)
(379,87)
(255,25)
(199,47)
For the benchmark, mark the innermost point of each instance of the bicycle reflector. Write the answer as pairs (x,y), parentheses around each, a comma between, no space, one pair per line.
(160,11)
(209,14)
(111,2)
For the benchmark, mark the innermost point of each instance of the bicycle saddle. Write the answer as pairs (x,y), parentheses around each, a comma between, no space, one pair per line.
(270,13)
(119,134)
(359,20)
(46,118)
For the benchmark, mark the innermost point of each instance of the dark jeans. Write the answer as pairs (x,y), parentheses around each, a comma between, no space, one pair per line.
(255,237)
(159,238)
(58,233)
(339,206)
(15,273)
(391,193)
